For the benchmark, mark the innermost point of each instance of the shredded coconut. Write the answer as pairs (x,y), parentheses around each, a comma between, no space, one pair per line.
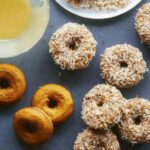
(122,66)
(100,4)
(135,123)
(101,108)
(96,140)
(142,23)
(72,46)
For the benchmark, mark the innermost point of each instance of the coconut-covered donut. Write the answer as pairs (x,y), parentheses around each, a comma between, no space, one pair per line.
(122,66)
(32,126)
(99,4)
(142,23)
(101,108)
(12,84)
(96,140)
(55,100)
(135,124)
(72,46)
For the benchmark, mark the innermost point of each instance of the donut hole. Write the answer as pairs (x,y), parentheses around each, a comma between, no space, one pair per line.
(137,120)
(99,104)
(73,43)
(4,83)
(123,64)
(29,127)
(52,103)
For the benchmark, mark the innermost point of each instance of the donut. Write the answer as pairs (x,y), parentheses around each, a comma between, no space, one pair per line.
(135,124)
(32,126)
(142,23)
(102,107)
(12,84)
(72,46)
(99,4)
(55,100)
(96,140)
(122,66)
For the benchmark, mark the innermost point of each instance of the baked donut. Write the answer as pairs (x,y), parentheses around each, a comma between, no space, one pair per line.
(72,46)
(101,108)
(135,124)
(96,140)
(142,23)
(12,84)
(99,4)
(55,100)
(32,126)
(122,66)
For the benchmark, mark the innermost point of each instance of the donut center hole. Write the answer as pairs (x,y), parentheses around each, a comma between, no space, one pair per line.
(123,64)
(137,120)
(74,43)
(29,127)
(99,104)
(52,103)
(4,83)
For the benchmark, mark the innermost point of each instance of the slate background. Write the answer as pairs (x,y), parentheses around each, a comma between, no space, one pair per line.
(40,69)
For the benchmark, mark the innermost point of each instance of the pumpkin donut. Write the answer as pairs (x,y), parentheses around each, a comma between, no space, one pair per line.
(32,126)
(102,107)
(96,140)
(135,124)
(12,84)
(123,66)
(55,100)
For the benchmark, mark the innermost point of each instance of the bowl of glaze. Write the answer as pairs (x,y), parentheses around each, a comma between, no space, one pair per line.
(33,33)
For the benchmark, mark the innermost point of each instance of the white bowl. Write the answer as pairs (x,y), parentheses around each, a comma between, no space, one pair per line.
(24,42)
(96,14)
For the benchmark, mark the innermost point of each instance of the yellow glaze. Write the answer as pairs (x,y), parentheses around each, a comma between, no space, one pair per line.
(15,17)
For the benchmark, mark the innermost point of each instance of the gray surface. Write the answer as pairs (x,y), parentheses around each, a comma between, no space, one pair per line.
(40,69)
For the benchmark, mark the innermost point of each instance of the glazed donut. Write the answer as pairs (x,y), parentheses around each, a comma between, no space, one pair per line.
(142,23)
(55,100)
(122,66)
(135,124)
(12,84)
(72,46)
(101,108)
(96,140)
(32,126)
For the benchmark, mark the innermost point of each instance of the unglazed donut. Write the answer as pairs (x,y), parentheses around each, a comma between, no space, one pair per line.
(72,46)
(122,66)
(96,140)
(32,126)
(12,84)
(142,23)
(55,100)
(135,124)
(102,107)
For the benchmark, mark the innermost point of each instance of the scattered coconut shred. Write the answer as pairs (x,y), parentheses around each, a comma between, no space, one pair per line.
(100,4)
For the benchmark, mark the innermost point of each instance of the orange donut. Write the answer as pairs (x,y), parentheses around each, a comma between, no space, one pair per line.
(55,100)
(12,84)
(32,126)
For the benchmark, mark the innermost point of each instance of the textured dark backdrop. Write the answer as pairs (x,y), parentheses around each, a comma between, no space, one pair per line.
(40,69)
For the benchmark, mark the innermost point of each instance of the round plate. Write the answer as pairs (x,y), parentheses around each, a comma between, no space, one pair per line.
(97,14)
(23,43)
